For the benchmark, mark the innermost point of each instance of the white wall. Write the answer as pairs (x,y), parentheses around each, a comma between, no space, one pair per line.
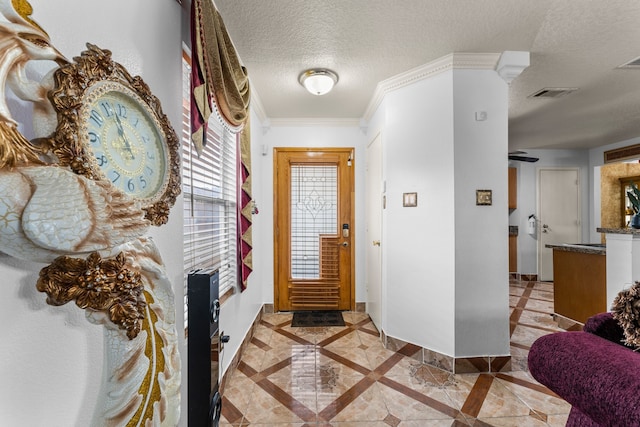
(51,358)
(481,232)
(418,244)
(445,261)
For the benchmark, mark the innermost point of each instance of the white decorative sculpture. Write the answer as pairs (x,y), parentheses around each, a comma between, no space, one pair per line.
(58,206)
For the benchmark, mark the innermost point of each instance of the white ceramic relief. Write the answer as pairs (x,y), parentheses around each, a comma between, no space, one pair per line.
(57,207)
(48,211)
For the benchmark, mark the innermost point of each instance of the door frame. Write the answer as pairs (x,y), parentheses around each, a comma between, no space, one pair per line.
(373,248)
(352,219)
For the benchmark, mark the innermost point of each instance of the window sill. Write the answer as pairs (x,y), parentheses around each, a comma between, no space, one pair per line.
(226,295)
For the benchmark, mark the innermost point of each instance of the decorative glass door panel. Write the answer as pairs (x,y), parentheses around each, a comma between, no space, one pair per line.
(314,217)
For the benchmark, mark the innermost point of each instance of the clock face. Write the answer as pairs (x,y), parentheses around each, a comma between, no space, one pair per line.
(126,140)
(111,127)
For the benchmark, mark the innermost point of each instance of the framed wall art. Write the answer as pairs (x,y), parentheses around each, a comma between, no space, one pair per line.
(483,198)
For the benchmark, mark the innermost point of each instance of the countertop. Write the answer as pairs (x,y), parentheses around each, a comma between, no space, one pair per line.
(618,230)
(583,248)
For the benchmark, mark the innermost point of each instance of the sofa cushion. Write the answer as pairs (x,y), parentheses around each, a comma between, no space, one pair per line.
(605,326)
(598,377)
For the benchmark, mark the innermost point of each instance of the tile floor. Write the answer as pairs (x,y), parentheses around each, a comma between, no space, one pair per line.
(344,377)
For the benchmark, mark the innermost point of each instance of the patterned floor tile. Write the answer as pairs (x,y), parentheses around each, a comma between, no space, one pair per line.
(417,402)
(369,338)
(540,305)
(407,408)
(542,294)
(535,395)
(377,355)
(301,387)
(345,360)
(334,395)
(263,334)
(526,335)
(480,396)
(355,424)
(343,339)
(236,395)
(422,423)
(525,421)
(344,377)
(363,402)
(557,420)
(519,358)
(271,404)
(544,320)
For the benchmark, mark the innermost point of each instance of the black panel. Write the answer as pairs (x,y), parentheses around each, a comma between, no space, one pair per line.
(203,345)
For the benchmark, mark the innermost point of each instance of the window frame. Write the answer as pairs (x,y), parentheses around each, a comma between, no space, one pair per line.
(209,197)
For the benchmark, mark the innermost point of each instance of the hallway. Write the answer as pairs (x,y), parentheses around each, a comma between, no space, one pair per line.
(344,377)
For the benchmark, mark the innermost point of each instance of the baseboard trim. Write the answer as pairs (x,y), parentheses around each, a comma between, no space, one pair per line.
(454,365)
(245,342)
(523,277)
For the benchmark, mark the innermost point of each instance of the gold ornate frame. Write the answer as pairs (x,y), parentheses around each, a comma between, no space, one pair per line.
(73,83)
(484,198)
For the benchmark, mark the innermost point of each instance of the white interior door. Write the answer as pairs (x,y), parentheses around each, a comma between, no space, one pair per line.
(559,214)
(374,231)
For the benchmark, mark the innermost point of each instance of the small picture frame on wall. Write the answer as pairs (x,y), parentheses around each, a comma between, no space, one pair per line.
(483,198)
(409,200)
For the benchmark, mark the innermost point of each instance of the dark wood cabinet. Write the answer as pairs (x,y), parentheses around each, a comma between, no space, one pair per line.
(579,284)
(513,188)
(513,253)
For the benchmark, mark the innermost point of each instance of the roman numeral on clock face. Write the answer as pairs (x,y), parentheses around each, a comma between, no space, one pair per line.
(96,118)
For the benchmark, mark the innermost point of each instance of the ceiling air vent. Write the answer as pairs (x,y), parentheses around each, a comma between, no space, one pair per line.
(553,92)
(634,63)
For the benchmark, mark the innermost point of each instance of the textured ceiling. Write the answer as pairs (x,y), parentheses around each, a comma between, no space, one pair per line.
(573,43)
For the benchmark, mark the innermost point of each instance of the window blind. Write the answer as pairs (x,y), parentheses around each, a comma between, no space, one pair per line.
(209,192)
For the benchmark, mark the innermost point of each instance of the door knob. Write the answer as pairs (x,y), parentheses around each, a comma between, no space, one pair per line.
(376,243)
(345,244)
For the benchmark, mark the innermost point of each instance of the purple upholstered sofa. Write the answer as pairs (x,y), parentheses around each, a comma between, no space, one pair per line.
(593,371)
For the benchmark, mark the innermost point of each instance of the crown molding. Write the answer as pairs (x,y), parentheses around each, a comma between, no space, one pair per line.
(476,61)
(512,64)
(461,61)
(267,123)
(256,104)
(315,121)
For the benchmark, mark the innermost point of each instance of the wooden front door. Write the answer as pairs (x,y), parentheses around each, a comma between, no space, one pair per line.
(313,229)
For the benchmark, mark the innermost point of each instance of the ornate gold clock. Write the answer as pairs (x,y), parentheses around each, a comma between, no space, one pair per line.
(111,127)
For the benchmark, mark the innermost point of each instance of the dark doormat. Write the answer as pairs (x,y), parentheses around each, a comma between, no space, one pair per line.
(317,318)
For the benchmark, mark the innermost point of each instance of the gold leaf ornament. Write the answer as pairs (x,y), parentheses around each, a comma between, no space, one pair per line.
(103,285)
(24,9)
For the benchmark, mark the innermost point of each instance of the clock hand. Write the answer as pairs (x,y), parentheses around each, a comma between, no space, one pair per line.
(122,135)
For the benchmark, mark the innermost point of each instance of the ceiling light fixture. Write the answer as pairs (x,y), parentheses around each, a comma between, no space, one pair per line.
(318,81)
